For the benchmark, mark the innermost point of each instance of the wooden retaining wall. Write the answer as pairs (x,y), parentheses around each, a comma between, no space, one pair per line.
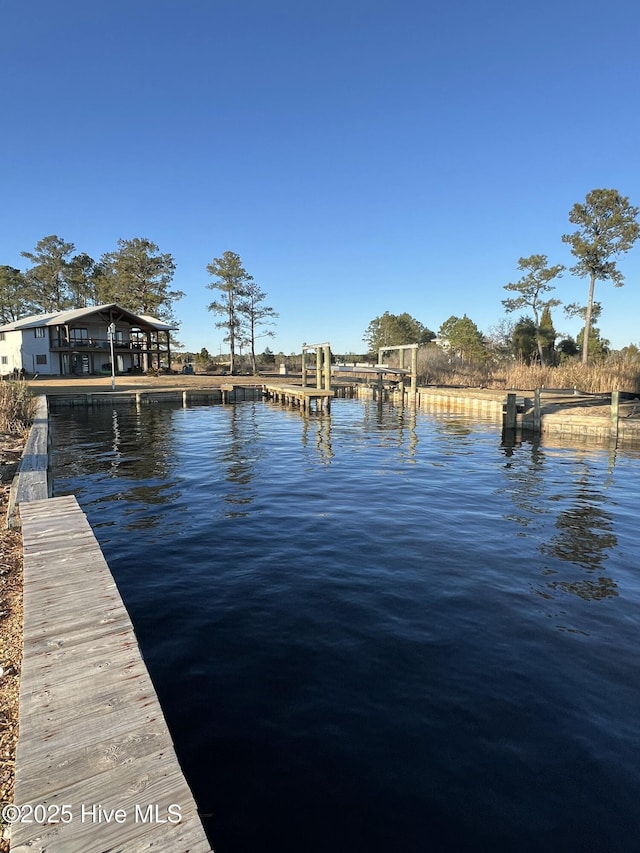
(96,768)
(556,425)
(432,401)
(186,397)
(31,481)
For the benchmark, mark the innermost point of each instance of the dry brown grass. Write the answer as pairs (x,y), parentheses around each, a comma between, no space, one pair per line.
(601,378)
(616,373)
(17,407)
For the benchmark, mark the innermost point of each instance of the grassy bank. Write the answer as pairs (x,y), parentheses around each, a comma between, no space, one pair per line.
(613,374)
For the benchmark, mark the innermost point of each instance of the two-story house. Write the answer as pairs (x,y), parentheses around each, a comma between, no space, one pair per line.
(79,342)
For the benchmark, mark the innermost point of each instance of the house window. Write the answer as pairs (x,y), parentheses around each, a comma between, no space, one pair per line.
(39,332)
(5,359)
(79,336)
(2,336)
(41,359)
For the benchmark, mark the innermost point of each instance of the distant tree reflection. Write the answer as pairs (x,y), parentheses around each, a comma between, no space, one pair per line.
(582,531)
(585,534)
(240,456)
(587,589)
(585,537)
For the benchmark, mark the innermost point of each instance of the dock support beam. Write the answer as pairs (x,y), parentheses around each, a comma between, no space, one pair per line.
(327,367)
(414,365)
(537,420)
(511,411)
(615,405)
(323,365)
(414,371)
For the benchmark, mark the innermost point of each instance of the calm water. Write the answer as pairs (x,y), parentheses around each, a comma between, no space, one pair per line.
(377,632)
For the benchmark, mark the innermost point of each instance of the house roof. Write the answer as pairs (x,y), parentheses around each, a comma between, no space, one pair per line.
(61,318)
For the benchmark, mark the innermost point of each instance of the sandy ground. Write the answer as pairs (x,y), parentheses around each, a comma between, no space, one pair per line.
(93,384)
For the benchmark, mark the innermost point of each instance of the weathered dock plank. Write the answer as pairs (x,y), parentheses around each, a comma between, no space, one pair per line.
(93,738)
(31,481)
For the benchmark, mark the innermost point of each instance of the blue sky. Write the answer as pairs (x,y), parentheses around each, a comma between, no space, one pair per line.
(360,157)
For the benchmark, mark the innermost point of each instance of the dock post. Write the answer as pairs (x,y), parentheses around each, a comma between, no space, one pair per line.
(304,367)
(615,404)
(401,366)
(510,414)
(327,367)
(537,420)
(414,370)
(318,368)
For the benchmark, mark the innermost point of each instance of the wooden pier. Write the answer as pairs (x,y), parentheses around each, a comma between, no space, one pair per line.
(295,395)
(96,768)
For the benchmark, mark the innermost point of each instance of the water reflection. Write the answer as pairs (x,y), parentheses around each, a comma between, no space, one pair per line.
(317,428)
(242,452)
(129,456)
(117,455)
(125,443)
(394,425)
(584,528)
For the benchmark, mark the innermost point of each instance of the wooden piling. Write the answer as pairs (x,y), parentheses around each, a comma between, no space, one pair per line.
(511,412)
(615,416)
(414,371)
(327,367)
(536,410)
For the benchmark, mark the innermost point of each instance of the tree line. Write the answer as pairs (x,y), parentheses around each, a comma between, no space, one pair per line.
(607,227)
(136,276)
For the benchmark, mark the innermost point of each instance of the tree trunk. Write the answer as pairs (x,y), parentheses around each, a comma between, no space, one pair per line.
(232,351)
(587,320)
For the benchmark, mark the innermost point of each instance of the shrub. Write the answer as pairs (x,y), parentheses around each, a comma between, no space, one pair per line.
(17,407)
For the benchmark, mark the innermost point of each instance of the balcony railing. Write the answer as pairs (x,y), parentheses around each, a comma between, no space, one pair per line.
(100,344)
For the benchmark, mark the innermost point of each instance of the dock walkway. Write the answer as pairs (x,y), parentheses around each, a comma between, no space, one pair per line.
(299,395)
(96,768)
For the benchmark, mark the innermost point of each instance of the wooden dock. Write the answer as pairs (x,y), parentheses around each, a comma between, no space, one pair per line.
(96,768)
(296,395)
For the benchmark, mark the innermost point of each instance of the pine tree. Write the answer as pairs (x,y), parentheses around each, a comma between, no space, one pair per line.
(607,227)
(233,281)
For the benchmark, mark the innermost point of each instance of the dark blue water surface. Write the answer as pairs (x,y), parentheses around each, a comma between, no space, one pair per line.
(377,631)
